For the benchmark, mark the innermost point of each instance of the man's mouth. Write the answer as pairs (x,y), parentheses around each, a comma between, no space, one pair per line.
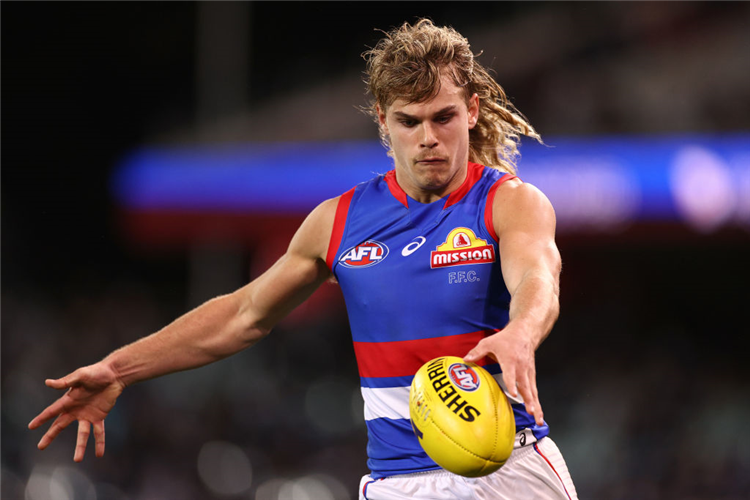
(431,160)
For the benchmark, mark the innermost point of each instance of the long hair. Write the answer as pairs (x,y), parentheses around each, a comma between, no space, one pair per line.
(407,64)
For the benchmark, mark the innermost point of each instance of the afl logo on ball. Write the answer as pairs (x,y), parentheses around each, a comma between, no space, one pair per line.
(464,377)
(365,254)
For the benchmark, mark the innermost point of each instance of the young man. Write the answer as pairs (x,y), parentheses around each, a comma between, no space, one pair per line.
(440,256)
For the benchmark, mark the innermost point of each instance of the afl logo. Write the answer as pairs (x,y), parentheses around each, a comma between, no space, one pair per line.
(464,377)
(365,254)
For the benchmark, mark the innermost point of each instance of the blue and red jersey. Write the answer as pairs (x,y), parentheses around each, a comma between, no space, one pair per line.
(419,281)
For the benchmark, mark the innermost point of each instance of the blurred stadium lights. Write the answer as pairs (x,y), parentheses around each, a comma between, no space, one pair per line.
(58,483)
(312,487)
(596,184)
(224,468)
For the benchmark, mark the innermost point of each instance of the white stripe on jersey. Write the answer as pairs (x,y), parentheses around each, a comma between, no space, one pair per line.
(393,402)
(386,402)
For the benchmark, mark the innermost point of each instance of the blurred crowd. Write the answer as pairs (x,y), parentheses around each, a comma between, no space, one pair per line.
(573,68)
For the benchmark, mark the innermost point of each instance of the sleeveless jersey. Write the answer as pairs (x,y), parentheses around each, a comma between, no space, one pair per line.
(419,281)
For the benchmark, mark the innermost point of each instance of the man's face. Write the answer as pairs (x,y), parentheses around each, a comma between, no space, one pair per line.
(430,141)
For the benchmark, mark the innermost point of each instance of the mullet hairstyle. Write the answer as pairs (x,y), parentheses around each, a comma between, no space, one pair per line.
(407,63)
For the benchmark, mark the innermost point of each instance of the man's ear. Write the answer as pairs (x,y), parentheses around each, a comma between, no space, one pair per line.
(473,111)
(381,118)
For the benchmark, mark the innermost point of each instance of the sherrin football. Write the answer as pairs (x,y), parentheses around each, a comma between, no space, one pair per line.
(462,418)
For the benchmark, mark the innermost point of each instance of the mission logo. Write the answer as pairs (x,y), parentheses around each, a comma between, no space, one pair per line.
(365,254)
(462,247)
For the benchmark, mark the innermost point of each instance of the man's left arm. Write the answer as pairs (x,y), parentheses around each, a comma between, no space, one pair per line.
(524,221)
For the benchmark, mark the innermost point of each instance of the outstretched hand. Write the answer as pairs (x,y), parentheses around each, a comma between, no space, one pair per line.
(515,354)
(91,394)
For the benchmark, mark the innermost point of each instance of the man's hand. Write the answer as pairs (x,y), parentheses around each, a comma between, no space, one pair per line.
(92,392)
(515,353)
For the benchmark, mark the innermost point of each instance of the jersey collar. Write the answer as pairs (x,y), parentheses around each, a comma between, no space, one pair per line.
(473,174)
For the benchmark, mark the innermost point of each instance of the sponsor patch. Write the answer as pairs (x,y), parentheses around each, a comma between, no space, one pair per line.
(365,254)
(464,377)
(413,246)
(462,247)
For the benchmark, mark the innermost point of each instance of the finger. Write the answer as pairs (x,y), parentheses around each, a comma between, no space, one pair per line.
(526,393)
(48,414)
(84,429)
(539,414)
(475,354)
(59,383)
(509,377)
(56,428)
(527,387)
(67,381)
(99,437)
(523,389)
(479,352)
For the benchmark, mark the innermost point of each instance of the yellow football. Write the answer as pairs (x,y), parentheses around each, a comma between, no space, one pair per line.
(462,418)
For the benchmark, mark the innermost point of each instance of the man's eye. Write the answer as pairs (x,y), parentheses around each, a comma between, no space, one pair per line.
(408,123)
(444,119)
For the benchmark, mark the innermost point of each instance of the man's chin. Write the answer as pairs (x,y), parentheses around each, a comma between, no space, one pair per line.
(435,184)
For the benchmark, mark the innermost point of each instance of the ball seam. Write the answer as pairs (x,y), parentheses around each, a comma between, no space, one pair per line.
(459,444)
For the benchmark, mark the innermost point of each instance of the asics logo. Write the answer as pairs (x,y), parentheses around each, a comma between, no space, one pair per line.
(413,246)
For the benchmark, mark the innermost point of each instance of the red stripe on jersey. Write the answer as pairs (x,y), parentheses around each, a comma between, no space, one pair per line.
(474,172)
(404,357)
(489,222)
(395,189)
(339,222)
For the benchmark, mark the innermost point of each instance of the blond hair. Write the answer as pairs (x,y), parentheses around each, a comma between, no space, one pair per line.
(407,64)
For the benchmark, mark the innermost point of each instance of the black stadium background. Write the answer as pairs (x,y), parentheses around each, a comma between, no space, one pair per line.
(644,380)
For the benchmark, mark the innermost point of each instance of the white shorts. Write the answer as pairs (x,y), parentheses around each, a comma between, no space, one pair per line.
(536,471)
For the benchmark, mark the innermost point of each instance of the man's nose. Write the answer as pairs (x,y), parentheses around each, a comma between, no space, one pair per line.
(429,137)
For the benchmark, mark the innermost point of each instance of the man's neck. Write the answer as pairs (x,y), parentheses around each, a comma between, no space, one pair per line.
(430,195)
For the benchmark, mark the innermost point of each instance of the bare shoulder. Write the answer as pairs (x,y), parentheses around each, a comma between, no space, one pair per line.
(519,204)
(524,222)
(313,236)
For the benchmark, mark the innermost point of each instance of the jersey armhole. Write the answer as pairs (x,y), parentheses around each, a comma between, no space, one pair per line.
(489,221)
(339,223)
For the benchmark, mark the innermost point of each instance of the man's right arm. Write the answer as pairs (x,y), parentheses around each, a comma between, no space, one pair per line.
(219,328)
(230,323)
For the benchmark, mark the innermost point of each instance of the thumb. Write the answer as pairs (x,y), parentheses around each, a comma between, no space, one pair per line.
(475,354)
(63,383)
